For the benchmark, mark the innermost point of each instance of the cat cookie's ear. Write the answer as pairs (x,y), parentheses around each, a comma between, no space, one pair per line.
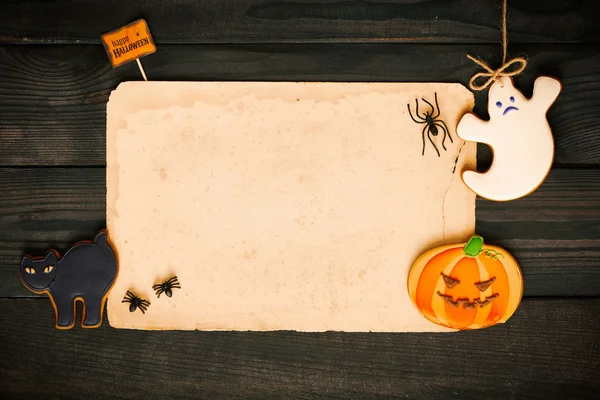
(51,258)
(100,238)
(26,262)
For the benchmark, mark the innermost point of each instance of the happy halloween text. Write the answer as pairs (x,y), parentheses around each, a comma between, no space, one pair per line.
(119,51)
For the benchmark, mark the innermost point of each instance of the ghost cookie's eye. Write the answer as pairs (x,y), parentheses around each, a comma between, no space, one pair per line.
(499,104)
(48,269)
(512,99)
(30,270)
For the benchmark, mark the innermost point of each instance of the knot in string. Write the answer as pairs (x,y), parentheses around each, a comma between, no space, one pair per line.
(510,68)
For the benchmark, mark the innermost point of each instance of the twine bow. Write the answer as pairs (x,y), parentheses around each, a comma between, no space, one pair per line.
(506,69)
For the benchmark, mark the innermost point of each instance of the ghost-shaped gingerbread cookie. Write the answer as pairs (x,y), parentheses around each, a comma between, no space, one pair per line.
(519,135)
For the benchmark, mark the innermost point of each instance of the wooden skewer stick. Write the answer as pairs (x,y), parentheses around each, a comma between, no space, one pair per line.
(139,63)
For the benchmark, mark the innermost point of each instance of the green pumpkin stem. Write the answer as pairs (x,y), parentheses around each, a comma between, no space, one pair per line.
(474,246)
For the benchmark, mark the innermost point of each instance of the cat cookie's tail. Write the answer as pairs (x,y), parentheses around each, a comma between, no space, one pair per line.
(102,242)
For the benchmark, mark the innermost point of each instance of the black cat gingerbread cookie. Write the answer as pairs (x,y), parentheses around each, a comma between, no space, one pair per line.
(86,272)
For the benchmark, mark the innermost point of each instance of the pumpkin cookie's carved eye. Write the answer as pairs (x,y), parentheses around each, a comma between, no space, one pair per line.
(482,286)
(30,270)
(48,269)
(450,282)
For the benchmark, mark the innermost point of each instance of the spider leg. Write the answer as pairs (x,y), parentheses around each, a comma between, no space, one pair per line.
(431,140)
(160,291)
(157,286)
(413,118)
(423,135)
(437,106)
(176,285)
(143,306)
(417,103)
(128,297)
(445,133)
(172,280)
(447,130)
(430,105)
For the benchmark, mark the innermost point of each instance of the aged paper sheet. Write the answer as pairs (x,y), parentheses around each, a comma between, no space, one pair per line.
(280,206)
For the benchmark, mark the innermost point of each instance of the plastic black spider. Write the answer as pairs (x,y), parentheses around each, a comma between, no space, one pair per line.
(432,123)
(136,302)
(166,287)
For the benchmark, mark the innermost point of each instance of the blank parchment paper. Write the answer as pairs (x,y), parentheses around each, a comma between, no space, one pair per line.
(279,205)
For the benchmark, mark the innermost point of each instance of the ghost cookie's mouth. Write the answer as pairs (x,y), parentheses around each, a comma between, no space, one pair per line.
(509,109)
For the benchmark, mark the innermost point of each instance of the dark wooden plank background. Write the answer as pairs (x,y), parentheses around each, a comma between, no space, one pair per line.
(54,83)
(523,359)
(288,21)
(77,79)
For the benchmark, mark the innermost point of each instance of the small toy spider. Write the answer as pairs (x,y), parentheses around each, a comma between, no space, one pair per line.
(136,302)
(431,123)
(166,287)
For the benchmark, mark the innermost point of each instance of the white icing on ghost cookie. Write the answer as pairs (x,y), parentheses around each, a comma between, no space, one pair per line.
(520,137)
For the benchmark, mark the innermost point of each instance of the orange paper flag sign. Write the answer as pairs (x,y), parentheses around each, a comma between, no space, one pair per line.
(129,43)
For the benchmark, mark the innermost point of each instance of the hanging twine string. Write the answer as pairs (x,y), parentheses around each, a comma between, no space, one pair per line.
(511,68)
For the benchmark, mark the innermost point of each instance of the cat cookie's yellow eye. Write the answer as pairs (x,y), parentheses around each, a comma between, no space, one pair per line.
(48,269)
(30,270)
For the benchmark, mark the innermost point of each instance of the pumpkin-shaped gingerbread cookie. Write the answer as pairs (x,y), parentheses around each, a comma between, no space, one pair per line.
(466,286)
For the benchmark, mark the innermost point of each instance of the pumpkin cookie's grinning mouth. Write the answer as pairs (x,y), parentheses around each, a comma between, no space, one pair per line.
(466,303)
